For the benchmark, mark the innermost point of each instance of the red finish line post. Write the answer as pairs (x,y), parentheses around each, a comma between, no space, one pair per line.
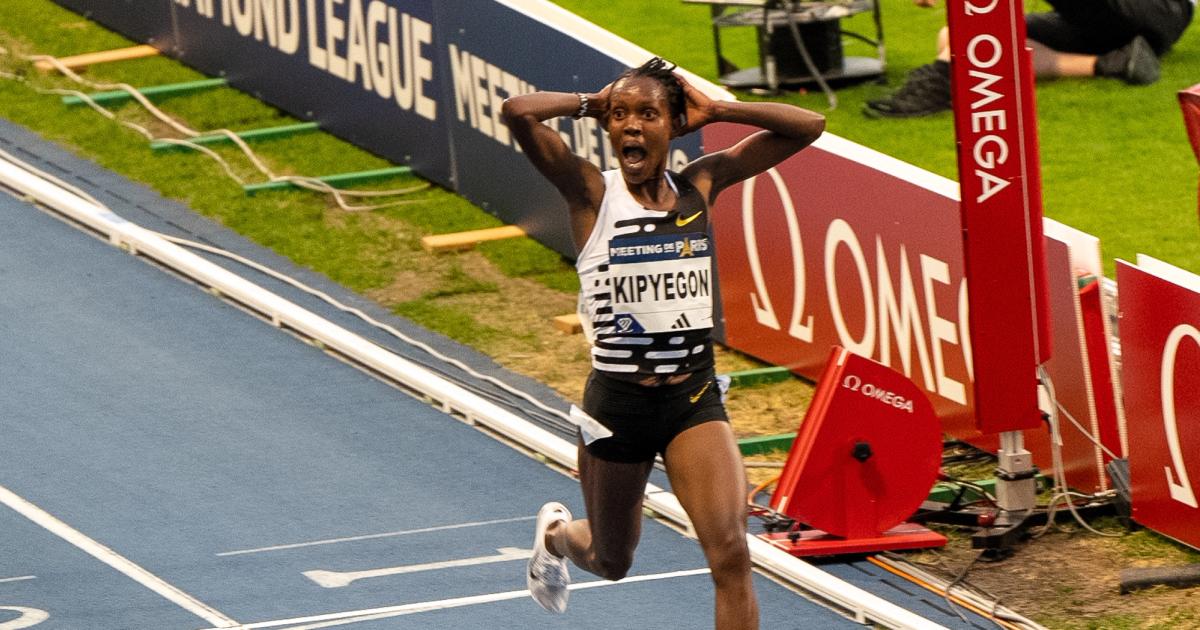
(1001,208)
(1003,248)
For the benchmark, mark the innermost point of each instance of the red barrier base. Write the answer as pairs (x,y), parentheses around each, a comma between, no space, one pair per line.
(814,542)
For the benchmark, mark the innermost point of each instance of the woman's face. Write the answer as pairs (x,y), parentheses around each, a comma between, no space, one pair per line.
(639,127)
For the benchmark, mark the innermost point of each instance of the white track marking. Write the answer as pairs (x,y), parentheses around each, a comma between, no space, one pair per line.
(18,579)
(369,614)
(338,579)
(423,530)
(114,560)
(29,617)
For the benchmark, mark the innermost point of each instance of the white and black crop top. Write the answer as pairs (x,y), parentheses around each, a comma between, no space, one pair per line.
(647,283)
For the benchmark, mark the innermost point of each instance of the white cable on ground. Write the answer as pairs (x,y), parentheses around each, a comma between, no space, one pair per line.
(1062,490)
(310,183)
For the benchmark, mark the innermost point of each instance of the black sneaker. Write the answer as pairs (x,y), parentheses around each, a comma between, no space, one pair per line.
(926,91)
(1134,63)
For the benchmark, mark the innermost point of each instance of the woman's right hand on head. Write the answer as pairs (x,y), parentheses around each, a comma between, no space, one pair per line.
(598,103)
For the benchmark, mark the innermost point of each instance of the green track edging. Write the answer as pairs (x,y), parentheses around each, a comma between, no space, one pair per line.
(334,180)
(758,376)
(170,89)
(763,444)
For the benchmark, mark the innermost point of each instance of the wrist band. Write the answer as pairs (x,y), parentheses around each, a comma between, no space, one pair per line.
(583,103)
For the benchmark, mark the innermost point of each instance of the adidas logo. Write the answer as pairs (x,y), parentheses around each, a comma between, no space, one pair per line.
(682,322)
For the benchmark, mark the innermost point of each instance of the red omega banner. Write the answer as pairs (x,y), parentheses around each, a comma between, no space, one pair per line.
(995,123)
(863,253)
(843,246)
(1160,376)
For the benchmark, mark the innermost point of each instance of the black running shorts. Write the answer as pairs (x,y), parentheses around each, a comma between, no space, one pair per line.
(644,419)
(1094,27)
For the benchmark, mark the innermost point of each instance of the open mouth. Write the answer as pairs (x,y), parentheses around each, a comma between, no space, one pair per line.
(633,154)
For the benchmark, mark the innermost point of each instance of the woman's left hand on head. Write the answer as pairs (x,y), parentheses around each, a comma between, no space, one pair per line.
(698,109)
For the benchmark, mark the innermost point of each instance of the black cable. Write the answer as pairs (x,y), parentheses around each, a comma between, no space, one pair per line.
(789,8)
(961,577)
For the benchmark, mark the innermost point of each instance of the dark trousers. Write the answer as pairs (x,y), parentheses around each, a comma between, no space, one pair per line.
(1095,27)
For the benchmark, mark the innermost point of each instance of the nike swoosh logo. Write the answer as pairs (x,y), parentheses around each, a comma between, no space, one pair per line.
(700,393)
(680,221)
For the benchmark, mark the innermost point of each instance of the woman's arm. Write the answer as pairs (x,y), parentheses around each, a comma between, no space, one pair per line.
(578,180)
(786,129)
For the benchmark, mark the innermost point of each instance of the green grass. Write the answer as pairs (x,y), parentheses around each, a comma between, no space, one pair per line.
(1116,161)
(523,258)
(456,281)
(1172,618)
(455,323)
(1145,544)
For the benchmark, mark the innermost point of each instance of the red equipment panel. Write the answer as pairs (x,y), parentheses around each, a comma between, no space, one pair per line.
(1072,381)
(817,543)
(1189,102)
(1160,376)
(1100,367)
(866,454)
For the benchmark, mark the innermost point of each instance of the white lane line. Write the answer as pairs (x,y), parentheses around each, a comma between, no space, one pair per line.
(114,560)
(18,579)
(423,530)
(369,614)
(338,579)
(29,618)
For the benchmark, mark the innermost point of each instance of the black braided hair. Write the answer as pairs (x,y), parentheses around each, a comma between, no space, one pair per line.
(662,71)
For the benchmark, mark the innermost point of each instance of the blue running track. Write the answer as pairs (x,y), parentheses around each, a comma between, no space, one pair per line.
(173,428)
(149,430)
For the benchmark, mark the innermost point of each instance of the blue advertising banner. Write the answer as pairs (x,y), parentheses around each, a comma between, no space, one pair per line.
(493,51)
(417,82)
(366,70)
(146,21)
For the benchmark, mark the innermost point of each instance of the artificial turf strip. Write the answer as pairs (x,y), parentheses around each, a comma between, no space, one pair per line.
(1115,159)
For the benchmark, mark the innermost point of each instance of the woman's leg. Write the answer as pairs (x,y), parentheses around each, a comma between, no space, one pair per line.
(705,468)
(1049,63)
(603,543)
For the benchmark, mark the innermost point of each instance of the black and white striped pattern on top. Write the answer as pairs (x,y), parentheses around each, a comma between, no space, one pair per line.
(629,340)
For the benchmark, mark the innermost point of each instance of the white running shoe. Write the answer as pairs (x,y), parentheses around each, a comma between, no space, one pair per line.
(547,577)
